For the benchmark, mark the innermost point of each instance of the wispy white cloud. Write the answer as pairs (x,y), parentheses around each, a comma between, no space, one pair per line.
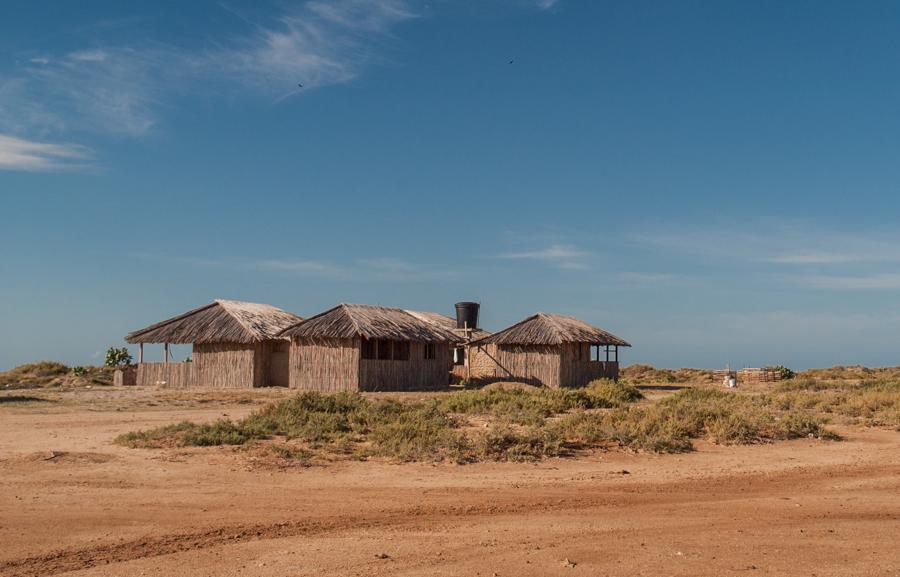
(123,90)
(861,251)
(391,264)
(880,281)
(378,269)
(788,326)
(779,244)
(23,113)
(27,155)
(546,4)
(297,266)
(391,269)
(317,44)
(646,279)
(113,90)
(368,15)
(805,256)
(559,255)
(87,56)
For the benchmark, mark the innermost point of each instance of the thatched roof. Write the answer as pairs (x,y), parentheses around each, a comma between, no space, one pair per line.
(548,329)
(448,323)
(347,321)
(219,322)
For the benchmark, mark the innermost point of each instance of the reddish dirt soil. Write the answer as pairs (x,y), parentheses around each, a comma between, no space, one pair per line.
(73,503)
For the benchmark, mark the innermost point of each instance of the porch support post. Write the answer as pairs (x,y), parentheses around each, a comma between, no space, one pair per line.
(166,353)
(140,353)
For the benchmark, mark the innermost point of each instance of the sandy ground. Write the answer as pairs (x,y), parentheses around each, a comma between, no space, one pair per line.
(72,503)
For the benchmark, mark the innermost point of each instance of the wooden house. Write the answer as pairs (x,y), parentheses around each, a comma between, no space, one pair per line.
(465,362)
(549,350)
(235,345)
(369,348)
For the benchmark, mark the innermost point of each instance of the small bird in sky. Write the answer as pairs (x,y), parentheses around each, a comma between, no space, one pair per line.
(300,85)
(511,61)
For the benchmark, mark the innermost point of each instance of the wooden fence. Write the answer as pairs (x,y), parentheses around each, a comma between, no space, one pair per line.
(750,375)
(172,375)
(124,377)
(763,375)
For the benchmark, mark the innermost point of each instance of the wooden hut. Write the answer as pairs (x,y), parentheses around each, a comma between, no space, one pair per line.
(369,348)
(549,350)
(235,345)
(466,362)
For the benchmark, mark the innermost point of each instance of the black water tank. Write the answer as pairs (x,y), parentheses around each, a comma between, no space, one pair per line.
(467,315)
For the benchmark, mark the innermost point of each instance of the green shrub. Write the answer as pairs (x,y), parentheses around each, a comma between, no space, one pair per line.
(653,429)
(614,392)
(348,423)
(506,444)
(806,384)
(670,425)
(874,402)
(799,425)
(312,417)
(168,435)
(118,357)
(737,428)
(533,407)
(784,372)
(418,435)
(222,432)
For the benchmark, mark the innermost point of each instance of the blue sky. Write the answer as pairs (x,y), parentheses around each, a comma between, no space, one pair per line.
(714,181)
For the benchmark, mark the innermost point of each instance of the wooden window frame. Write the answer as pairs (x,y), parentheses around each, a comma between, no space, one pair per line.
(385,350)
(368,349)
(459,360)
(430,352)
(400,350)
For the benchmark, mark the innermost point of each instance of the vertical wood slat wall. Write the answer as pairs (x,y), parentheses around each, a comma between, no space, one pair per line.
(224,365)
(533,364)
(216,365)
(320,364)
(416,374)
(170,375)
(330,365)
(548,365)
(577,370)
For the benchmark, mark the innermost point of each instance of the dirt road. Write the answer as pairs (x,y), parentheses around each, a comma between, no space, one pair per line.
(72,503)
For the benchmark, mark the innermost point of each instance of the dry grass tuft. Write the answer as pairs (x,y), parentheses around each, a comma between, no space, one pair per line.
(669,425)
(646,374)
(521,425)
(52,374)
(871,402)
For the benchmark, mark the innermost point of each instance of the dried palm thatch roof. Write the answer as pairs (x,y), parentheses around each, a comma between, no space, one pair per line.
(549,329)
(219,322)
(448,323)
(347,321)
